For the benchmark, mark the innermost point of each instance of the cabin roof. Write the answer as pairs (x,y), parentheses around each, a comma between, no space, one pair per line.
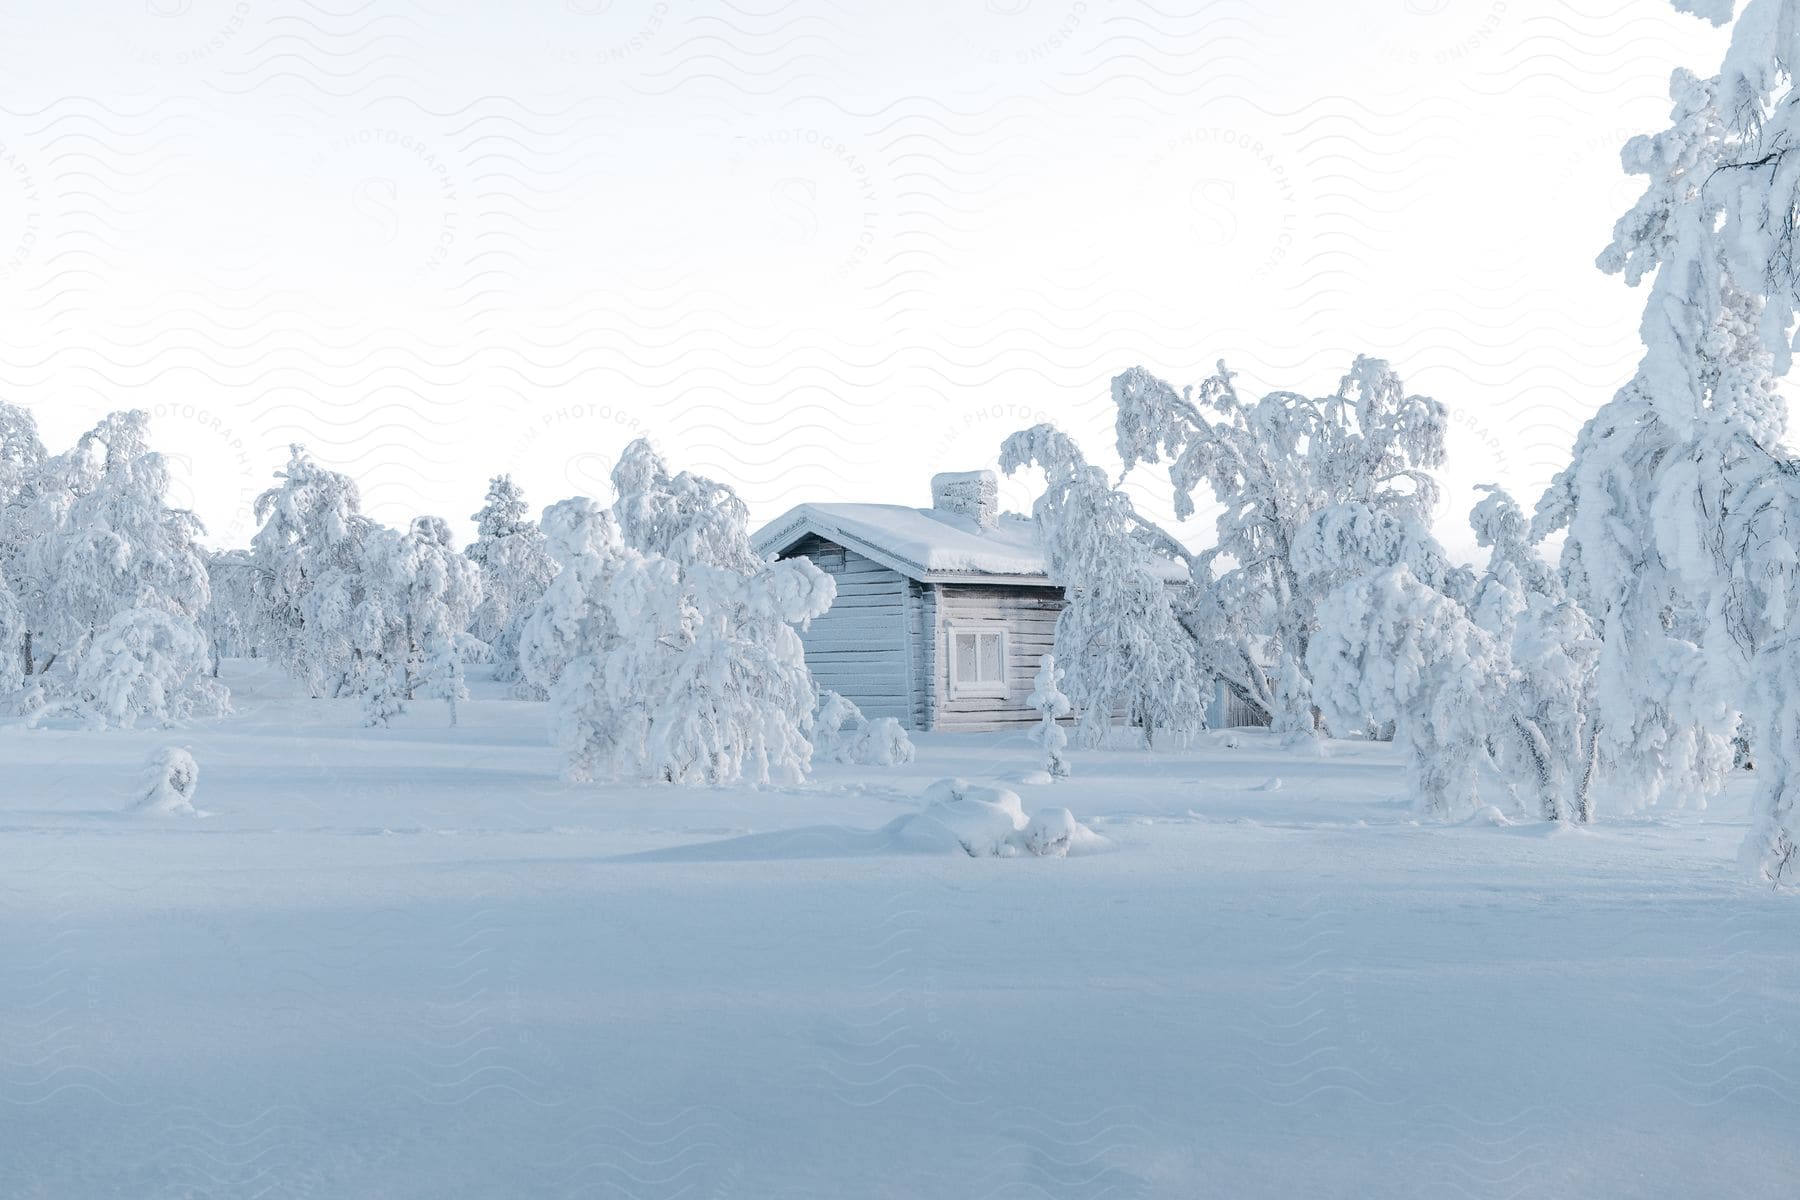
(927,544)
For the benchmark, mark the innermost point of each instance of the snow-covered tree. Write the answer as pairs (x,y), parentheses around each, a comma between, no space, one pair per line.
(571,618)
(440,590)
(1272,464)
(21,450)
(1763,616)
(737,697)
(688,518)
(501,516)
(382,685)
(1393,649)
(309,560)
(106,542)
(1048,698)
(21,460)
(12,646)
(145,664)
(674,655)
(1494,673)
(1544,737)
(1117,636)
(414,594)
(1674,480)
(516,569)
(230,618)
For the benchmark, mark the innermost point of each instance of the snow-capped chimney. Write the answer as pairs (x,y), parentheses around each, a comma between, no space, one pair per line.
(972,494)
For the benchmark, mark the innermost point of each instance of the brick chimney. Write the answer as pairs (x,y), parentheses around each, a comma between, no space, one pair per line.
(971,494)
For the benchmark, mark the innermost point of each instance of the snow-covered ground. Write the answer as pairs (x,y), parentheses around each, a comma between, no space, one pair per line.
(410,962)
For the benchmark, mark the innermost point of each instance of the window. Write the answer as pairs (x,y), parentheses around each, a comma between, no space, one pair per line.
(977,662)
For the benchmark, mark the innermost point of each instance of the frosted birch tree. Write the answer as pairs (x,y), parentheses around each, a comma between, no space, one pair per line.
(1117,636)
(1271,464)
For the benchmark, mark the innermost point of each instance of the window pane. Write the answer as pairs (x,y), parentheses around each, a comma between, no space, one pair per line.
(990,658)
(963,658)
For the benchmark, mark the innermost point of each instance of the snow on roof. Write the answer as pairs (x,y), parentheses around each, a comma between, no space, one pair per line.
(927,544)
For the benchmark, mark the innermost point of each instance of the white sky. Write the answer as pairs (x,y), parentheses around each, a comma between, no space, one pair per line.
(816,250)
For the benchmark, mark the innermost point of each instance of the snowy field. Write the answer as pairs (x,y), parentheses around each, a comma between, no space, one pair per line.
(411,963)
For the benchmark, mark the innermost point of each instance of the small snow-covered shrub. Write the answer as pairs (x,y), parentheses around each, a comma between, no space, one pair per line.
(168,783)
(384,696)
(146,664)
(984,821)
(834,712)
(1048,699)
(880,742)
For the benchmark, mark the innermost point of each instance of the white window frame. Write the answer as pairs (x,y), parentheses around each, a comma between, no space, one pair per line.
(981,687)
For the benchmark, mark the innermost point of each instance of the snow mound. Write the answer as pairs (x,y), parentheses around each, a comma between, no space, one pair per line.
(1487,814)
(167,785)
(1271,784)
(1055,831)
(1036,778)
(881,742)
(984,821)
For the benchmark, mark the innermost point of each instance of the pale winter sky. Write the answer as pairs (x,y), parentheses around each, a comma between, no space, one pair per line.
(815,250)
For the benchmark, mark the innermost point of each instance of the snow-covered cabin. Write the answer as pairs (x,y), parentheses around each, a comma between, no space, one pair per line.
(941,614)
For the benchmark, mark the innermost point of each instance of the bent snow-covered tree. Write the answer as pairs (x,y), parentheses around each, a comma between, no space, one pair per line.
(1670,504)
(1271,464)
(1121,648)
(1393,649)
(1545,741)
(1470,674)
